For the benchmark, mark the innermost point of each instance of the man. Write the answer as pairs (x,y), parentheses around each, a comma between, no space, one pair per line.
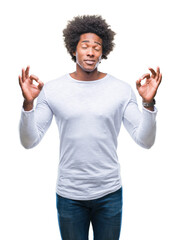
(89,107)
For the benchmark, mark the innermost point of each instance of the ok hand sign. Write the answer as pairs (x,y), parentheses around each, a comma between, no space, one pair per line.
(29,90)
(148,90)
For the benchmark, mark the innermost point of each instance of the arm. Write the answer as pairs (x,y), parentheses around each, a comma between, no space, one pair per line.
(34,122)
(142,126)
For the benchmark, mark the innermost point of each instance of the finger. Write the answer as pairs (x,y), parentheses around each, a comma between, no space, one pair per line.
(27,71)
(157,74)
(20,80)
(160,78)
(146,75)
(33,77)
(138,83)
(23,75)
(158,69)
(41,84)
(153,72)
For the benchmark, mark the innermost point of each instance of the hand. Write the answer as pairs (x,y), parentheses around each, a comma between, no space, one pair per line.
(29,90)
(148,90)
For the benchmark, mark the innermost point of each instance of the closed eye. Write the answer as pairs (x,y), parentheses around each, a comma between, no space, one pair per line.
(84,46)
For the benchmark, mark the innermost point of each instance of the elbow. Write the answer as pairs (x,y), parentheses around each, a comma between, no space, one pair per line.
(27,144)
(147,144)
(146,140)
(28,141)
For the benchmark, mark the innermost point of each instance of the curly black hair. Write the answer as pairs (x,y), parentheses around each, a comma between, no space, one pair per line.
(88,24)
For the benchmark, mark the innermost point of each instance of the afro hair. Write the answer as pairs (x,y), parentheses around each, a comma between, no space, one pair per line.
(88,24)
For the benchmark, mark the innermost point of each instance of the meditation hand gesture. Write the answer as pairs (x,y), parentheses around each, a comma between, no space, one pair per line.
(148,90)
(29,90)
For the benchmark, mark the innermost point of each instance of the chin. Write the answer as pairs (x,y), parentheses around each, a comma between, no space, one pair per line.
(88,69)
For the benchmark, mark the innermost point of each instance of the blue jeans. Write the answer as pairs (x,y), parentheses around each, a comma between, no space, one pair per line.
(105,214)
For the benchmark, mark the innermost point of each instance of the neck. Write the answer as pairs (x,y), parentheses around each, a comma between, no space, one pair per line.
(80,74)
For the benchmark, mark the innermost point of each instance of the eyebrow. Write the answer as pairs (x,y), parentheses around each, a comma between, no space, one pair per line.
(94,42)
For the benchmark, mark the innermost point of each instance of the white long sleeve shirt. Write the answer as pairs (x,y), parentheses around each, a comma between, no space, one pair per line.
(89,115)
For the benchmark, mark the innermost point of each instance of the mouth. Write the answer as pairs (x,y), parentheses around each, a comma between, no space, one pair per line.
(89,62)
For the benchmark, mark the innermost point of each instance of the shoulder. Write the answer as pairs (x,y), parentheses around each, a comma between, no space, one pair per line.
(53,86)
(55,82)
(123,89)
(119,83)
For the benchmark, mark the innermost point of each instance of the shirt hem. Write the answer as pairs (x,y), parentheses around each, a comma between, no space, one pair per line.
(89,198)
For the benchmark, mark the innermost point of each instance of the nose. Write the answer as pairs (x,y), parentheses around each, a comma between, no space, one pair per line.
(90,52)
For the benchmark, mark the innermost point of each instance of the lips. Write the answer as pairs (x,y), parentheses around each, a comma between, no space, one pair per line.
(90,62)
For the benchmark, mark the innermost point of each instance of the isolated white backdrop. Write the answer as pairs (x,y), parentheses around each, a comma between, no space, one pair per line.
(147,36)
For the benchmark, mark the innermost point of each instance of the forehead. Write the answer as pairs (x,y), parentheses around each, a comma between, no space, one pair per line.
(92,37)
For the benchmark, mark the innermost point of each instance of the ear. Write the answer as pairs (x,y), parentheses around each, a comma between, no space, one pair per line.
(74,54)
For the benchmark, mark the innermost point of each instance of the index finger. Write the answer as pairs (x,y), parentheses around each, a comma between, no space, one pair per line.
(146,75)
(33,77)
(152,71)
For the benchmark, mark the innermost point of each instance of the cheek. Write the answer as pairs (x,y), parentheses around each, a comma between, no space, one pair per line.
(78,57)
(100,57)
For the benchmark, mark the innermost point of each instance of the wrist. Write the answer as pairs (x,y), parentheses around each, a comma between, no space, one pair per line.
(149,104)
(28,105)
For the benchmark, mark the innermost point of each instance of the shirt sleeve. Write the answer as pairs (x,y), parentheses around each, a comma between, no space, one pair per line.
(140,125)
(33,124)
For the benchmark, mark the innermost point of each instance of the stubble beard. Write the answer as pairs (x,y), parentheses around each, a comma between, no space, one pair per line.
(87,70)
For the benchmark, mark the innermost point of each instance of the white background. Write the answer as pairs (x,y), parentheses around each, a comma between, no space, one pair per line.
(147,36)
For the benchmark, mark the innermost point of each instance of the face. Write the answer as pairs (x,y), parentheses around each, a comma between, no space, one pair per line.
(88,52)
